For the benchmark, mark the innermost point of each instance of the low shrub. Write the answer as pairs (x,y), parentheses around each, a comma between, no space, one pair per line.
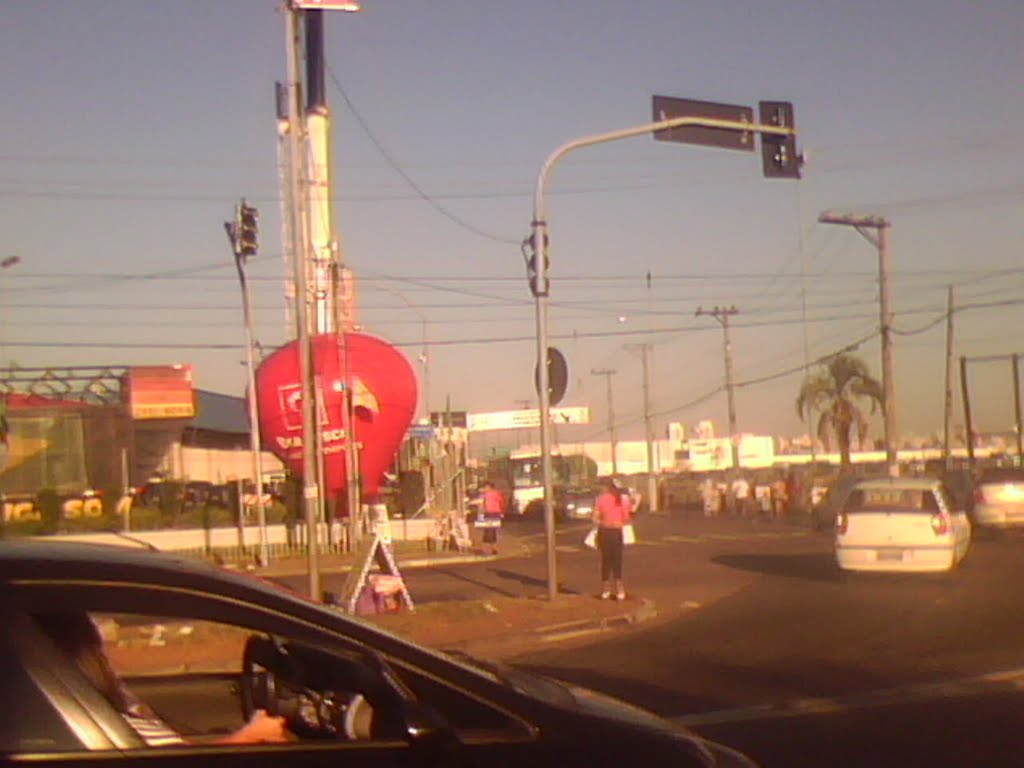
(15,528)
(146,519)
(49,506)
(104,522)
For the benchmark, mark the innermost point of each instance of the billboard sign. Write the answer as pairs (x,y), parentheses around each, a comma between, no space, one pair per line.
(326,5)
(159,392)
(525,419)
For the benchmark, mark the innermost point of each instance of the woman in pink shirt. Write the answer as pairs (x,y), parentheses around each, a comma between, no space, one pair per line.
(611,513)
(492,511)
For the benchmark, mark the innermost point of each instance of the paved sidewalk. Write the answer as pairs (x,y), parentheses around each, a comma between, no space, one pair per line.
(495,627)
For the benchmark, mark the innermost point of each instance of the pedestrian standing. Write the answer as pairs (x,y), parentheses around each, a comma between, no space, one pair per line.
(779,500)
(492,511)
(709,496)
(741,494)
(611,513)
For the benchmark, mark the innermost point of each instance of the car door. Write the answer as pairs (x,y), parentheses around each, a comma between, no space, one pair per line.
(484,729)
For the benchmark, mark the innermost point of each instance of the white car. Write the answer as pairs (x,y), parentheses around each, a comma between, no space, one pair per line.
(900,524)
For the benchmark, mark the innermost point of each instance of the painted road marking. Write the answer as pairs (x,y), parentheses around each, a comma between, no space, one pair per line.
(685,539)
(1006,680)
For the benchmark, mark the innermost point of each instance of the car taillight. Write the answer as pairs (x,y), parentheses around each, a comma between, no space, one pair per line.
(940,523)
(842,522)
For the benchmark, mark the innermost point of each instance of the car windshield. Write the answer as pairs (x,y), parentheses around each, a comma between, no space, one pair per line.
(891,500)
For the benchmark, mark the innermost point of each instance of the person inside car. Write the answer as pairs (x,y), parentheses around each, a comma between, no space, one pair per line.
(76,636)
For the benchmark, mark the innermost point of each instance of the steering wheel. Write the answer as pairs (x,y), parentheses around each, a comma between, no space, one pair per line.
(276,680)
(259,686)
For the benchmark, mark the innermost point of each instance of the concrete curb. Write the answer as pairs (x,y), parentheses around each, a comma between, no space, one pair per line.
(568,630)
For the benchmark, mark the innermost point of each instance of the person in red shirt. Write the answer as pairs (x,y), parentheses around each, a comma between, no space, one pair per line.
(611,512)
(492,512)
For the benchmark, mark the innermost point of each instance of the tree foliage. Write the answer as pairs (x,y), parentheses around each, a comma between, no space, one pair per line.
(836,391)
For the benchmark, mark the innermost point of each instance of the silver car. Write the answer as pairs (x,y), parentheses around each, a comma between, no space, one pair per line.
(999,498)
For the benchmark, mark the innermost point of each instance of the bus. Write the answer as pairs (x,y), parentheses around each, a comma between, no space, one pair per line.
(520,477)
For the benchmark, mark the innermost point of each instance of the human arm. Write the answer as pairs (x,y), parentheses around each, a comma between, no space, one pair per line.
(261,729)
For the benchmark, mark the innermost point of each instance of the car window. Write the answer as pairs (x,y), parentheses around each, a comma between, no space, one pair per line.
(188,673)
(154,646)
(891,499)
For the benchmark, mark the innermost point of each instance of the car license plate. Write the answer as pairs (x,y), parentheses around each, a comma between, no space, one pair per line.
(889,555)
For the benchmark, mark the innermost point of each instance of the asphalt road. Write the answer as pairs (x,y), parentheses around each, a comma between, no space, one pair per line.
(761,645)
(798,667)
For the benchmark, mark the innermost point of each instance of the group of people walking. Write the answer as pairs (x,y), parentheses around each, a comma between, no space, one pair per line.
(739,497)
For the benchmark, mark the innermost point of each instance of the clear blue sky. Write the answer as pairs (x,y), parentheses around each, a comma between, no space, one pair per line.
(131,129)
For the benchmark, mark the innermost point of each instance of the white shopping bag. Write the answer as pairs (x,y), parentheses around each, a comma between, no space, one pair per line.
(591,539)
(628,534)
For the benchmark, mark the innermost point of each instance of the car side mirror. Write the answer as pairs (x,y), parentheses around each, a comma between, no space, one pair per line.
(431,736)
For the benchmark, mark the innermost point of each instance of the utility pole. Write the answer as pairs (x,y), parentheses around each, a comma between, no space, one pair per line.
(1018,427)
(947,411)
(722,315)
(299,227)
(652,482)
(608,373)
(875,229)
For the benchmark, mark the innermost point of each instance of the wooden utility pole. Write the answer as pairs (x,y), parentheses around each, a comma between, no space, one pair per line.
(1015,365)
(875,229)
(947,411)
(722,315)
(968,424)
(613,443)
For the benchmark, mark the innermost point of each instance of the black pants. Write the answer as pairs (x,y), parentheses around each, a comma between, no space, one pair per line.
(609,543)
(490,534)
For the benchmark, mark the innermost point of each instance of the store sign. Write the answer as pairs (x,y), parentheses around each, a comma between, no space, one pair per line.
(159,392)
(383,386)
(525,419)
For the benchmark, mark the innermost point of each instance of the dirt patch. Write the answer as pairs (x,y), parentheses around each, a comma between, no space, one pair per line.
(459,623)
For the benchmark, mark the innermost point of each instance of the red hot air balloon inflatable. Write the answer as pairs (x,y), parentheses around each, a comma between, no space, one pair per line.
(384,401)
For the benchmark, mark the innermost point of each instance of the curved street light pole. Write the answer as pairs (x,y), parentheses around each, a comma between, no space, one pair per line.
(539,240)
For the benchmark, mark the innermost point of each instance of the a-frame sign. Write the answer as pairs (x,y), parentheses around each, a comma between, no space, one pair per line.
(374,550)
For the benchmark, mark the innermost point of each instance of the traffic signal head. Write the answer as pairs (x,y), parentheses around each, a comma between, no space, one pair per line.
(778,152)
(247,230)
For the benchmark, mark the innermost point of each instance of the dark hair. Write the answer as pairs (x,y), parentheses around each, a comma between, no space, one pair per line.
(76,636)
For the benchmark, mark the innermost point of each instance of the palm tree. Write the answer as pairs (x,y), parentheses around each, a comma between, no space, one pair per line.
(834,391)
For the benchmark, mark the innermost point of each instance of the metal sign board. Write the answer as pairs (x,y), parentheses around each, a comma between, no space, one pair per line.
(325,5)
(667,108)
(526,418)
(422,431)
(448,418)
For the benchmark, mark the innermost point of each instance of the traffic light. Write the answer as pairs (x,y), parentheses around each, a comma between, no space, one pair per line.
(247,230)
(778,153)
(540,284)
